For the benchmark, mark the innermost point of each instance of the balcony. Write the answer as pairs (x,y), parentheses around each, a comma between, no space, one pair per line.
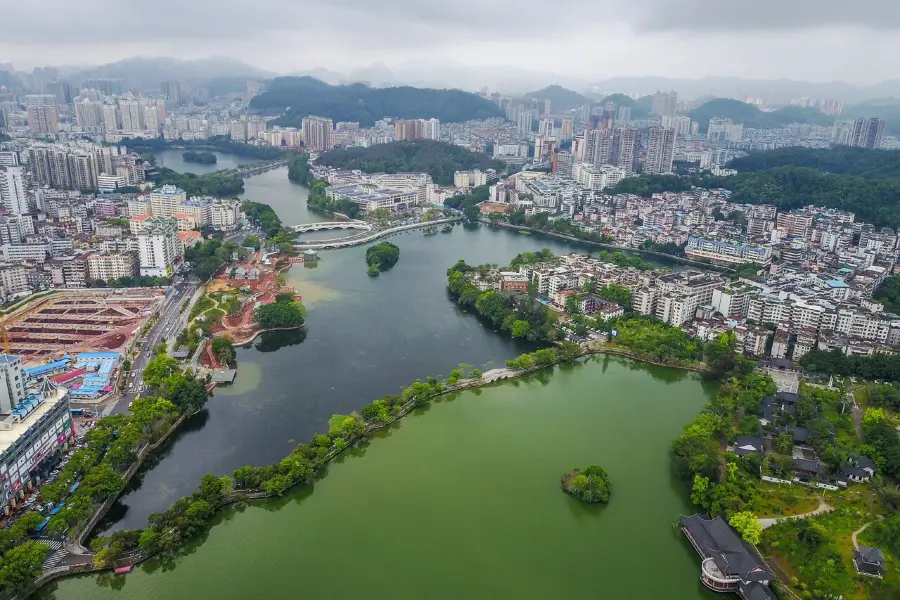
(715,579)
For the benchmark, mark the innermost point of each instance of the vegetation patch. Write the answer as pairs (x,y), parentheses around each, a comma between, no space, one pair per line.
(382,257)
(591,485)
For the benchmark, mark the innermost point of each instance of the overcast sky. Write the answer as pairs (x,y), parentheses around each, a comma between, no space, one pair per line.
(817,40)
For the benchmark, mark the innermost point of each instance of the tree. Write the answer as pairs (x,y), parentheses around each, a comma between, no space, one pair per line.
(746,524)
(280,314)
(592,485)
(520,329)
(784,443)
(382,256)
(224,350)
(252,241)
(719,353)
(873,416)
(160,368)
(573,304)
(21,565)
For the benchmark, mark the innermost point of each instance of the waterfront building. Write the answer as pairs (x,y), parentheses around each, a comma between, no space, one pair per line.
(726,252)
(729,564)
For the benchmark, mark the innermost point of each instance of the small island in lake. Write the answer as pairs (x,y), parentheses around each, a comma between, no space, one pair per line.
(590,485)
(381,257)
(203,158)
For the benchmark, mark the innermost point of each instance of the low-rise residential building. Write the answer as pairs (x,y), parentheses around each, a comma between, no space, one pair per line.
(107,267)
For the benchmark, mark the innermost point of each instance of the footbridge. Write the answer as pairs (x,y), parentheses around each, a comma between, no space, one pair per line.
(359,225)
(364,238)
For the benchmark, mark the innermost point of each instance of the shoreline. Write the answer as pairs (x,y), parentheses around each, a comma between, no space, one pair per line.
(570,238)
(490,377)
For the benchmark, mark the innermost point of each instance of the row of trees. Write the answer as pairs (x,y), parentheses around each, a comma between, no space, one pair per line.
(224,184)
(877,366)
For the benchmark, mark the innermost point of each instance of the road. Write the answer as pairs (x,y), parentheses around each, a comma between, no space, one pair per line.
(171,319)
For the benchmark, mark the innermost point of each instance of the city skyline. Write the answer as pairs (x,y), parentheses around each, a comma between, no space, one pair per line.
(660,39)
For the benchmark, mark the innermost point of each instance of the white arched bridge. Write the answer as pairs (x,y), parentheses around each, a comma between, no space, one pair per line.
(306,228)
(363,238)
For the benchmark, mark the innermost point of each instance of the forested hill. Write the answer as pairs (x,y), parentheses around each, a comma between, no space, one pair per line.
(560,98)
(438,159)
(749,116)
(298,97)
(840,160)
(639,108)
(875,201)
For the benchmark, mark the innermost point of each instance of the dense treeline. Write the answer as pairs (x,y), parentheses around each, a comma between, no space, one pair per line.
(835,362)
(438,159)
(304,96)
(208,256)
(657,340)
(888,293)
(222,143)
(265,217)
(203,158)
(519,317)
(872,200)
(840,160)
(543,222)
(218,183)
(749,116)
(298,169)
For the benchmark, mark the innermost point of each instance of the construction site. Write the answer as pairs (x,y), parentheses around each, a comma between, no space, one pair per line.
(77,321)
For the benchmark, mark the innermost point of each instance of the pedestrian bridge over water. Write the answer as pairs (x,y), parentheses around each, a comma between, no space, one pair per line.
(306,228)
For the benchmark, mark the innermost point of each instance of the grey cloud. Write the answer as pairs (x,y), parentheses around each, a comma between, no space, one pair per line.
(764,15)
(414,23)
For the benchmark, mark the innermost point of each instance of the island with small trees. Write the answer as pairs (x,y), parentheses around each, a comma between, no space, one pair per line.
(286,312)
(591,485)
(202,158)
(381,257)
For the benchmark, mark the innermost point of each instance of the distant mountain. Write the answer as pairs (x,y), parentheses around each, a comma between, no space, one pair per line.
(639,108)
(147,73)
(775,91)
(560,98)
(749,116)
(298,97)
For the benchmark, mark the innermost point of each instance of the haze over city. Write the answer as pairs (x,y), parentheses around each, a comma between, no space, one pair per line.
(802,39)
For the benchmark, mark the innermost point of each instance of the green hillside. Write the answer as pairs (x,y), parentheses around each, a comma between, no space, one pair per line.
(749,116)
(297,97)
(560,98)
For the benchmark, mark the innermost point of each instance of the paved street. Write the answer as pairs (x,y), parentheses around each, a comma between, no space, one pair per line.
(167,327)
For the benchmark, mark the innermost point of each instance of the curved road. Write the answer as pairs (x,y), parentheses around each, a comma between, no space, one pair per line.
(824,507)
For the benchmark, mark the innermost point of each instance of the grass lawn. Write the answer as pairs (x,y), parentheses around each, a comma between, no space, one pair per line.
(782,500)
(817,553)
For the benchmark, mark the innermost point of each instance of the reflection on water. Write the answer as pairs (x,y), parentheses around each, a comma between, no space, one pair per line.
(276,340)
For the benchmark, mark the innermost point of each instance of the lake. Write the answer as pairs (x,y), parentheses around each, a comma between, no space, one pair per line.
(460,500)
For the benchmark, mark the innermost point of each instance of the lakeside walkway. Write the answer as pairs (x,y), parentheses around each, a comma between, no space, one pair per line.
(823,508)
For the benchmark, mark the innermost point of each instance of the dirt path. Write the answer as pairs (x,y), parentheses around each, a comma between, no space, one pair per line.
(857,532)
(823,507)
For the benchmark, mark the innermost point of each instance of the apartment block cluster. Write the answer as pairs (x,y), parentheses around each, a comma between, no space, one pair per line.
(56,238)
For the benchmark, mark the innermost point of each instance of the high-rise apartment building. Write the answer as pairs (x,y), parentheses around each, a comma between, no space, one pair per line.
(867,132)
(88,114)
(12,382)
(110,87)
(599,147)
(172,91)
(524,121)
(110,117)
(43,113)
(664,103)
(158,246)
(660,150)
(623,148)
(12,190)
(165,200)
(432,129)
(130,114)
(318,133)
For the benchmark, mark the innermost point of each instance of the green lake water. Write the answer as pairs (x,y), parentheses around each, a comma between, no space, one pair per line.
(462,500)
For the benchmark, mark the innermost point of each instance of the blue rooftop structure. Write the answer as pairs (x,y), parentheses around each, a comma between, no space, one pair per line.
(836,283)
(39,371)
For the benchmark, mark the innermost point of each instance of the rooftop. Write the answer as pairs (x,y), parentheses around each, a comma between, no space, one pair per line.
(16,430)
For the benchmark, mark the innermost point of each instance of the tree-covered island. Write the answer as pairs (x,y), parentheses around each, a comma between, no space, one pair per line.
(381,257)
(591,485)
(202,158)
